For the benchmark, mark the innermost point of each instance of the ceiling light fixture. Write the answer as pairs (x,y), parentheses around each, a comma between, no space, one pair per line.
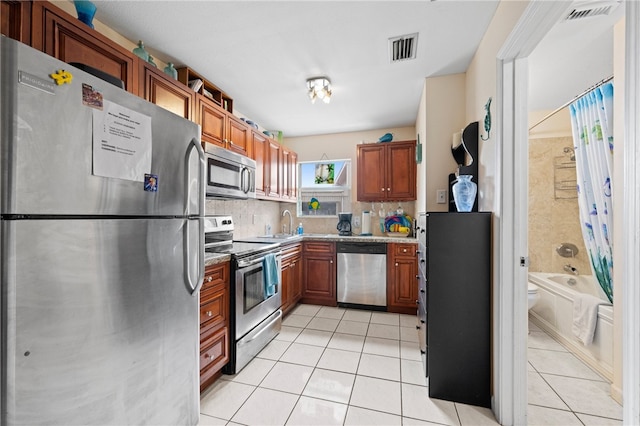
(319,88)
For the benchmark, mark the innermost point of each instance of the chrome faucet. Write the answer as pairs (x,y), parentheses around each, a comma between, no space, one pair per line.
(290,221)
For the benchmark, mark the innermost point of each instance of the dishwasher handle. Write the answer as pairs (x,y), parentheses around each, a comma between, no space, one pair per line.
(362,248)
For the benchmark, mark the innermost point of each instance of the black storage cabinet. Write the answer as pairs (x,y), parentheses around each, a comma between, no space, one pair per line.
(458,281)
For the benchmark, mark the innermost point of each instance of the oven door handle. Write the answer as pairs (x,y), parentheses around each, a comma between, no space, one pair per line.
(247,263)
(265,327)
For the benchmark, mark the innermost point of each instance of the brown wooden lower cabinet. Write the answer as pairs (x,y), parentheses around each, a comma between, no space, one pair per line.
(402,278)
(291,268)
(319,272)
(214,323)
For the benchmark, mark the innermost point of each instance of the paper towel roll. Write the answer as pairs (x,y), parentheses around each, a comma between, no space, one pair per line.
(366,223)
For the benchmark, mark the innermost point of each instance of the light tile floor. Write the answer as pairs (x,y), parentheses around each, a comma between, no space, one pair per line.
(334,366)
(562,389)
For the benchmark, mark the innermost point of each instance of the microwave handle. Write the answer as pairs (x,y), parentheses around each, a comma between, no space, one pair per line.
(244,182)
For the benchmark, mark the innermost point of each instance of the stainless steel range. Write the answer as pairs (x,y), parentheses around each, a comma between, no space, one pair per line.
(255,313)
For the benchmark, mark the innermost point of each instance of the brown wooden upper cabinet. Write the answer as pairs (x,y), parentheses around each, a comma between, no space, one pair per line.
(222,128)
(266,153)
(162,90)
(15,20)
(387,171)
(58,34)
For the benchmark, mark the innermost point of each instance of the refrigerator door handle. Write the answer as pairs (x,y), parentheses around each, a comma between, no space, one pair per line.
(188,249)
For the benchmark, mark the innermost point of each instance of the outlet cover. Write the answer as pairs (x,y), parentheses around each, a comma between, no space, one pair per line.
(441,196)
(356,222)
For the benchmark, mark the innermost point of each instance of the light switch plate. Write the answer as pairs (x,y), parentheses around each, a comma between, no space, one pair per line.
(441,197)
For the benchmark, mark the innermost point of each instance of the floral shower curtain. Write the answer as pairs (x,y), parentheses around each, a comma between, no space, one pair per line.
(592,125)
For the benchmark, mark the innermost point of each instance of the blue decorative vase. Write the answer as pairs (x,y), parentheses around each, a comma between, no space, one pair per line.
(141,52)
(464,193)
(171,71)
(86,11)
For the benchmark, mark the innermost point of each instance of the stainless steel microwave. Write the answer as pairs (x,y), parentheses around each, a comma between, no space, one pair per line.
(229,174)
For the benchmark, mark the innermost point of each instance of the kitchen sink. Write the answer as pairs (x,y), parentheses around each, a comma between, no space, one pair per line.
(278,236)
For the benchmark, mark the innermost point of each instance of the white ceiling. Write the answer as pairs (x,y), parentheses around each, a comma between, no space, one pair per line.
(574,56)
(261,53)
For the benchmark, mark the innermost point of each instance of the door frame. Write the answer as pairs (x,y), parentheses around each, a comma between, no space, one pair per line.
(511,213)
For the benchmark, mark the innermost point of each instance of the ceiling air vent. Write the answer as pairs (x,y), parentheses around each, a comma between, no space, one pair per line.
(593,8)
(403,48)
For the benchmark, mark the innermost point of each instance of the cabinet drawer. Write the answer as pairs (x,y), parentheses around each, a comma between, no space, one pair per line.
(215,275)
(291,250)
(214,354)
(319,247)
(405,249)
(214,310)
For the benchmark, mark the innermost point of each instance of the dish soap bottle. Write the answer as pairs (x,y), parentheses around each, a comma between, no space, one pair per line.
(300,230)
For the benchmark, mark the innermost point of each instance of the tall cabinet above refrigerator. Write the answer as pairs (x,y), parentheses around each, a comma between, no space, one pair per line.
(455,274)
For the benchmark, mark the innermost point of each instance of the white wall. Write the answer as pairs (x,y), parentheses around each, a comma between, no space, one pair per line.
(441,114)
(481,84)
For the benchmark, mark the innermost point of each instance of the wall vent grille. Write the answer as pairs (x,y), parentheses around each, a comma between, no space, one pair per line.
(587,10)
(403,48)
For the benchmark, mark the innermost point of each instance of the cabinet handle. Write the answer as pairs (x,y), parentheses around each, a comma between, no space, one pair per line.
(417,327)
(423,321)
(396,263)
(230,142)
(404,250)
(207,356)
(422,352)
(331,261)
(422,290)
(382,189)
(388,189)
(209,313)
(209,279)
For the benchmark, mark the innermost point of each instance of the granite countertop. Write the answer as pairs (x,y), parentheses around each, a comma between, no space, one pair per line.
(215,258)
(329,237)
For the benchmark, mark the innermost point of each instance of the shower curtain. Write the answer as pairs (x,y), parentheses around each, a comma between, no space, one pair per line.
(592,126)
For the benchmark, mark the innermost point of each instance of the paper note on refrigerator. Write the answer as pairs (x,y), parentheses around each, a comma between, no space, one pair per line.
(121,143)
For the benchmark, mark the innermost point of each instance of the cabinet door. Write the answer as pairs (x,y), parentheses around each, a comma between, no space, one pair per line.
(212,120)
(319,266)
(371,172)
(286,271)
(293,175)
(402,285)
(284,171)
(260,154)
(15,20)
(238,139)
(296,279)
(274,187)
(60,35)
(401,171)
(162,90)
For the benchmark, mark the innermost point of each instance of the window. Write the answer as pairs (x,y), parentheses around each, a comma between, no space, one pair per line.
(324,188)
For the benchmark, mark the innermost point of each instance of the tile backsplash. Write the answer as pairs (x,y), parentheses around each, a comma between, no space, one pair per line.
(252,217)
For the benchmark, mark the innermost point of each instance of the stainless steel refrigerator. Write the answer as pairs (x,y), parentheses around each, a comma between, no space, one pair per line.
(101,250)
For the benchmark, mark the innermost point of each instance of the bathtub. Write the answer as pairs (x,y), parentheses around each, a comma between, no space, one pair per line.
(554,314)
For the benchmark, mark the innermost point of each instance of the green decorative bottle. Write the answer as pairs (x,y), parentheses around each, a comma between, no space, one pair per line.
(151,61)
(141,52)
(171,71)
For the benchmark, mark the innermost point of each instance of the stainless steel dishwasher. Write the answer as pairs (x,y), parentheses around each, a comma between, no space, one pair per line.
(362,273)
